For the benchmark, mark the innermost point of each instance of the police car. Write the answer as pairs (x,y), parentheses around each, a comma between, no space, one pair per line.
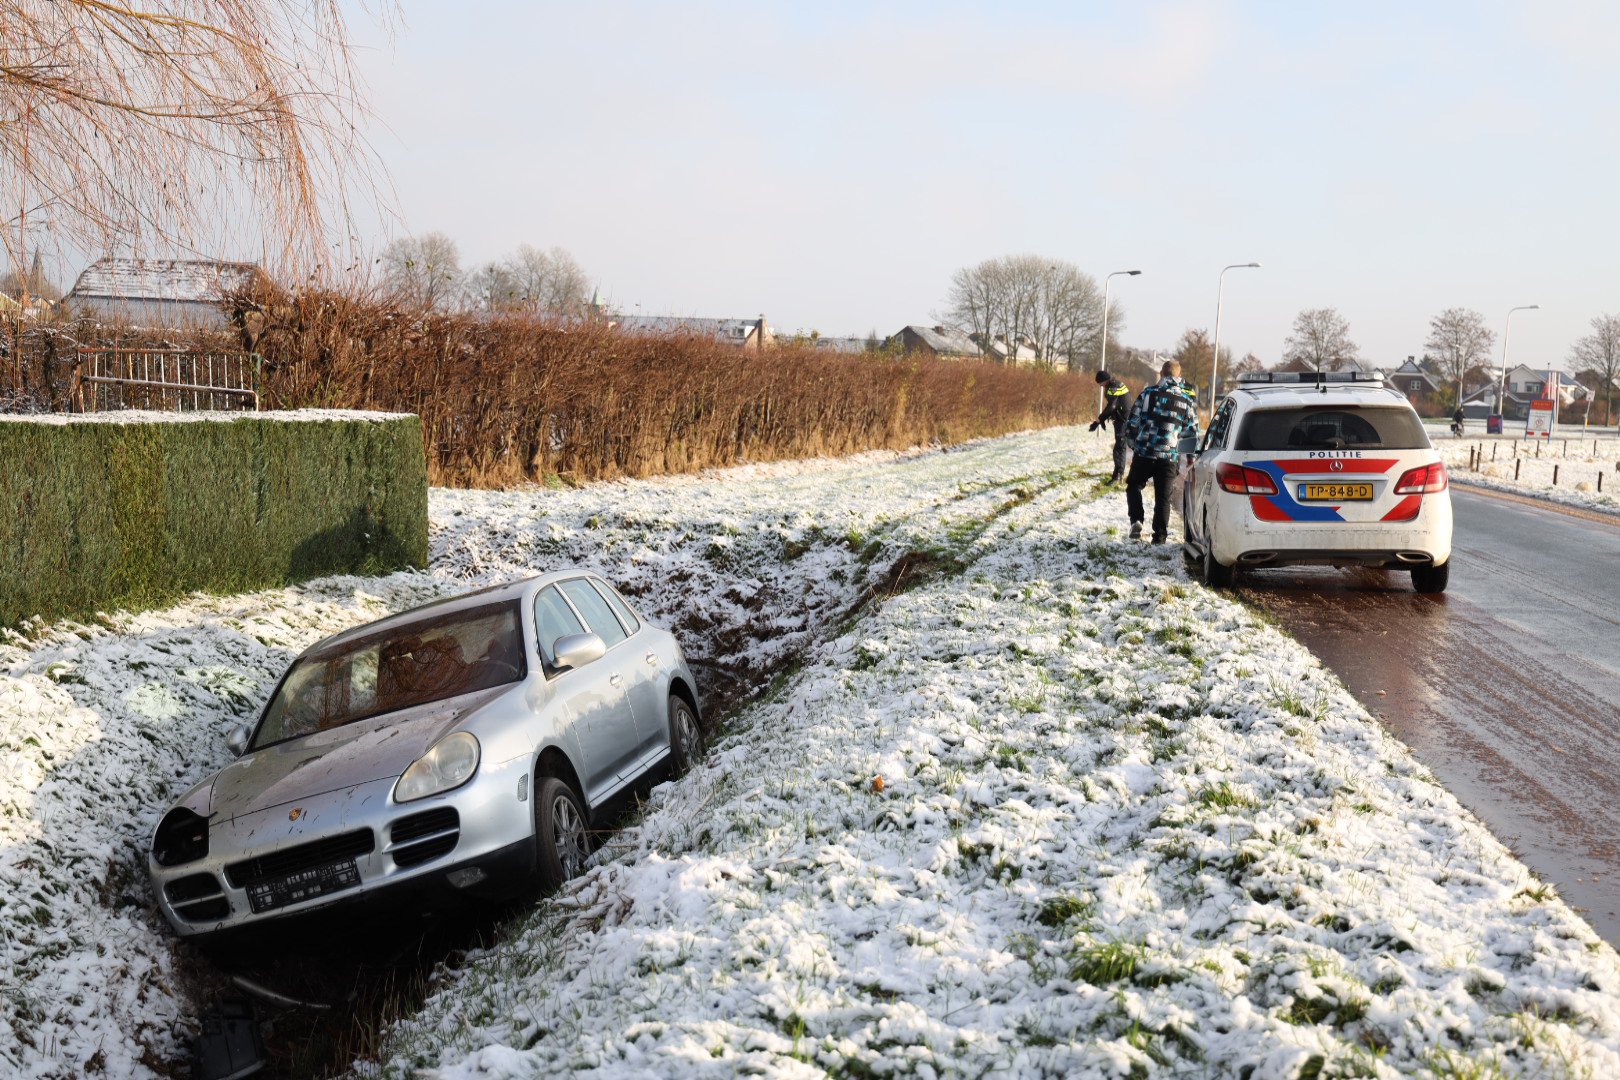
(1329,468)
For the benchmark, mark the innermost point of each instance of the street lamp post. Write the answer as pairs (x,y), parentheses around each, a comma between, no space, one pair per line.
(1215,356)
(1501,389)
(1102,358)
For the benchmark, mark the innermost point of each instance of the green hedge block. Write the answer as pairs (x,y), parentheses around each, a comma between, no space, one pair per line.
(105,512)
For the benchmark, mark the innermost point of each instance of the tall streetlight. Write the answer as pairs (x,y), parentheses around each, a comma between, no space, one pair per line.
(1102,359)
(1501,390)
(1215,359)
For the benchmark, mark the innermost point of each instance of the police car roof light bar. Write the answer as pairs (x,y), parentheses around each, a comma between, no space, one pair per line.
(1296,377)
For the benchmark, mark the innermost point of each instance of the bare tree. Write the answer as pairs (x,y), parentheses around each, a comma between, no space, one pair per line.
(1599,353)
(492,287)
(1458,341)
(1321,338)
(1048,304)
(149,124)
(422,271)
(549,282)
(1250,364)
(1194,351)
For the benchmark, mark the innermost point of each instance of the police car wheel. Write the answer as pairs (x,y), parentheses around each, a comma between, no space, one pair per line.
(1431,579)
(1216,574)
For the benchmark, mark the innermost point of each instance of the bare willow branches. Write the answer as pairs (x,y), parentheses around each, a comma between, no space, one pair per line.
(178,123)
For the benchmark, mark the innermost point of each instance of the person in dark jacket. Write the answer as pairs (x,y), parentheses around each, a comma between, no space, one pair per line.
(1164,414)
(1116,407)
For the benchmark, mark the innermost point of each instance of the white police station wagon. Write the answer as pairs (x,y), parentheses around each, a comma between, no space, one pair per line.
(1329,468)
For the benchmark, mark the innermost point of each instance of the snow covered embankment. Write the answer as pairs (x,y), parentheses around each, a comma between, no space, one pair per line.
(1123,828)
(101,726)
(1577,466)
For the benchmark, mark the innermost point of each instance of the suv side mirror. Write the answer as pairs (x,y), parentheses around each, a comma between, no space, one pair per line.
(577,650)
(238,741)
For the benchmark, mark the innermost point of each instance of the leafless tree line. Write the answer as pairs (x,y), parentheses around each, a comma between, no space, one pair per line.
(1050,305)
(425,273)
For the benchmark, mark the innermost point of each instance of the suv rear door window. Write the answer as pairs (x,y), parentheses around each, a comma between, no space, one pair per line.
(620,608)
(1333,427)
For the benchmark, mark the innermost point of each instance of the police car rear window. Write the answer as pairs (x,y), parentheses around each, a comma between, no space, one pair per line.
(1332,428)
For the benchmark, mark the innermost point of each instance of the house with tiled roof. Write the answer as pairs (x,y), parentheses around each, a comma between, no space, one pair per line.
(744,333)
(942,341)
(161,292)
(1524,385)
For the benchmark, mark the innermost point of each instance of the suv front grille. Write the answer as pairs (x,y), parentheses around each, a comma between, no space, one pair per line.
(279,864)
(197,898)
(425,836)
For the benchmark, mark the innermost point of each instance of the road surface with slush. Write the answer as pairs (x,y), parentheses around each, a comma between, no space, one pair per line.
(1507,686)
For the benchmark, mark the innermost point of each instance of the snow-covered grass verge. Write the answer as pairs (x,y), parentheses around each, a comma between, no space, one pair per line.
(1124,828)
(1576,464)
(102,725)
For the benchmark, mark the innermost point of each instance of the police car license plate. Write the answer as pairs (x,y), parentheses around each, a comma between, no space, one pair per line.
(304,885)
(1335,492)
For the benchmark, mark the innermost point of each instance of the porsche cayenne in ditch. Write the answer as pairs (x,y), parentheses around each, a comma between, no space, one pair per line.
(1332,469)
(463,747)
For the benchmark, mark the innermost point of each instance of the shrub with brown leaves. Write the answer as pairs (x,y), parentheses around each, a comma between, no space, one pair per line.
(506,399)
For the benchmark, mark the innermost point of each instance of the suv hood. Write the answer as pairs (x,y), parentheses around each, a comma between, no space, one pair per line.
(377,748)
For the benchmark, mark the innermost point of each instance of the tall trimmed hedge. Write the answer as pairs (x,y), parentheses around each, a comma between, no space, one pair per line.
(105,512)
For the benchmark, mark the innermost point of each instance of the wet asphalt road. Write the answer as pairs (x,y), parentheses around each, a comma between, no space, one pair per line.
(1507,686)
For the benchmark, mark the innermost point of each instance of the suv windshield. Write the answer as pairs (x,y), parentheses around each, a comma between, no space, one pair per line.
(1333,427)
(431,660)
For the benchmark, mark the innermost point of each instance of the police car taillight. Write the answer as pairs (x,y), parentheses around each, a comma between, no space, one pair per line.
(1242,480)
(1423,480)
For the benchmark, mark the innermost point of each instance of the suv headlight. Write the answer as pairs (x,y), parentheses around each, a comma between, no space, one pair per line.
(450,763)
(182,837)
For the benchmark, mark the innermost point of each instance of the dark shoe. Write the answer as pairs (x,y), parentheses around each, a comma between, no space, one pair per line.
(1136,530)
(1161,539)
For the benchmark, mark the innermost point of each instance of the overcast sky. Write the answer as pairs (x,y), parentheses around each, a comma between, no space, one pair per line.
(830,164)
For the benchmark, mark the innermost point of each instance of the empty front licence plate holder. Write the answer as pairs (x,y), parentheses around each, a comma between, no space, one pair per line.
(1335,492)
(304,885)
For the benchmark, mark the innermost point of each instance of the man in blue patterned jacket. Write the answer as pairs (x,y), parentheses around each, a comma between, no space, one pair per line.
(1164,414)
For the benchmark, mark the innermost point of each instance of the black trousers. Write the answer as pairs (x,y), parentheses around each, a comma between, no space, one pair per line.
(1163,475)
(1122,452)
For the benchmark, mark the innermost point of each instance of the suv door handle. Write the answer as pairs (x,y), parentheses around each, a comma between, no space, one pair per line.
(652,658)
(615,679)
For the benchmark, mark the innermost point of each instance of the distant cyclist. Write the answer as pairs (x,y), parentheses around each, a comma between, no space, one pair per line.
(1457,421)
(1116,407)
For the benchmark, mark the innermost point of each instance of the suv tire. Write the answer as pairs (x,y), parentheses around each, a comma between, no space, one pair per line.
(562,838)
